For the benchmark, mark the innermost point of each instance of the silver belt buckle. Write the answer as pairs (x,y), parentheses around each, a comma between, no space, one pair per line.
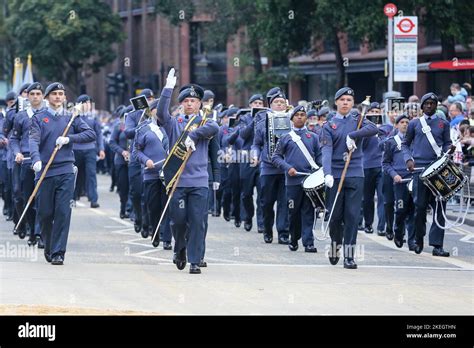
(426,129)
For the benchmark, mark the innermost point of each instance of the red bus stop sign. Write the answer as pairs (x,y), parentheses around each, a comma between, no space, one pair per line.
(390,10)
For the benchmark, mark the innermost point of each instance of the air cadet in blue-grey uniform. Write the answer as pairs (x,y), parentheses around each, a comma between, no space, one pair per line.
(151,148)
(340,136)
(188,206)
(233,144)
(3,166)
(222,195)
(272,179)
(419,151)
(134,168)
(21,151)
(119,144)
(394,165)
(373,175)
(55,195)
(7,159)
(86,154)
(289,157)
(250,172)
(17,196)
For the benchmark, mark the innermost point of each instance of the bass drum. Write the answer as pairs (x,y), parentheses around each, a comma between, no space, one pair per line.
(314,187)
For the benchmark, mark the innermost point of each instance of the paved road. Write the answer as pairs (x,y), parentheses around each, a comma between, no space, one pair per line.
(109,267)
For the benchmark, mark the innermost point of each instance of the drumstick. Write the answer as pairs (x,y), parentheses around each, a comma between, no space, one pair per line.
(156,163)
(300,173)
(406,180)
(417,169)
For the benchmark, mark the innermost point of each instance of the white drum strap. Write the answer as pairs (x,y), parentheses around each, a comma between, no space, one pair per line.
(155,129)
(398,141)
(297,139)
(427,130)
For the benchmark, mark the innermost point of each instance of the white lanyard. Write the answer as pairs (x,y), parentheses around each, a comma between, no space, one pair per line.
(297,139)
(427,130)
(155,129)
(398,141)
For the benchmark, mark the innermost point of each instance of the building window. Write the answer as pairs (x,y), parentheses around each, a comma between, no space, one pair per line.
(354,45)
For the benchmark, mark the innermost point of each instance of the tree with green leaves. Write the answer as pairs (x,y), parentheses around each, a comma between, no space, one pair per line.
(68,39)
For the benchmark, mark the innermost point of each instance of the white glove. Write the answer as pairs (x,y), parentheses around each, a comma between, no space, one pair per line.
(189,143)
(329,180)
(350,143)
(62,141)
(215,186)
(37,166)
(171,79)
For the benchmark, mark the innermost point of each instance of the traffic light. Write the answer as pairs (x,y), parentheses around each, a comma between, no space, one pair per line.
(111,84)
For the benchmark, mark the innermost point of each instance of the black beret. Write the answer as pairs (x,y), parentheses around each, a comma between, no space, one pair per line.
(83,98)
(208,94)
(297,109)
(232,111)
(274,93)
(255,97)
(35,85)
(118,110)
(148,93)
(323,111)
(222,114)
(54,87)
(401,117)
(10,96)
(429,96)
(191,90)
(23,88)
(344,91)
(312,113)
(373,105)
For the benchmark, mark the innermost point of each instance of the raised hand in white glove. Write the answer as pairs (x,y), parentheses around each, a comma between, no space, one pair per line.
(189,143)
(62,141)
(329,180)
(37,166)
(171,79)
(215,186)
(350,143)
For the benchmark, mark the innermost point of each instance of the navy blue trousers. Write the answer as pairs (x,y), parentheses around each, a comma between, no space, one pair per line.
(16,191)
(274,190)
(188,213)
(135,179)
(344,221)
(86,163)
(301,215)
(121,171)
(388,199)
(54,199)
(250,178)
(27,182)
(373,183)
(404,213)
(155,200)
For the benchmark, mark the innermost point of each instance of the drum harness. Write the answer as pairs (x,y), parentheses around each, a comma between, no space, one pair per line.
(448,224)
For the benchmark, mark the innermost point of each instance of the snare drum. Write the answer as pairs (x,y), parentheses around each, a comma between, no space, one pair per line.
(443,178)
(314,187)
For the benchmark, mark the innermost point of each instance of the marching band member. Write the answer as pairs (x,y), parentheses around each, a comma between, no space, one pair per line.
(271,177)
(427,137)
(188,206)
(394,165)
(340,135)
(86,154)
(55,194)
(21,151)
(290,157)
(250,173)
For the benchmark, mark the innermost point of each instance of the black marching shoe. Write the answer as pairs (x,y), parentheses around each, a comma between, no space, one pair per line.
(248,226)
(9,218)
(439,251)
(268,238)
(194,269)
(22,232)
(293,246)
(47,257)
(32,241)
(418,246)
(167,245)
(226,218)
(145,232)
(260,230)
(95,205)
(368,229)
(310,249)
(137,226)
(57,260)
(283,240)
(381,233)
(389,234)
(179,259)
(203,263)
(359,228)
(40,242)
(398,242)
(333,254)
(349,263)
(237,224)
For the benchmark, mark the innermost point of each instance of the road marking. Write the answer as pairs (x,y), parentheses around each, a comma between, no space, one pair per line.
(79,204)
(467,238)
(120,221)
(389,244)
(98,212)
